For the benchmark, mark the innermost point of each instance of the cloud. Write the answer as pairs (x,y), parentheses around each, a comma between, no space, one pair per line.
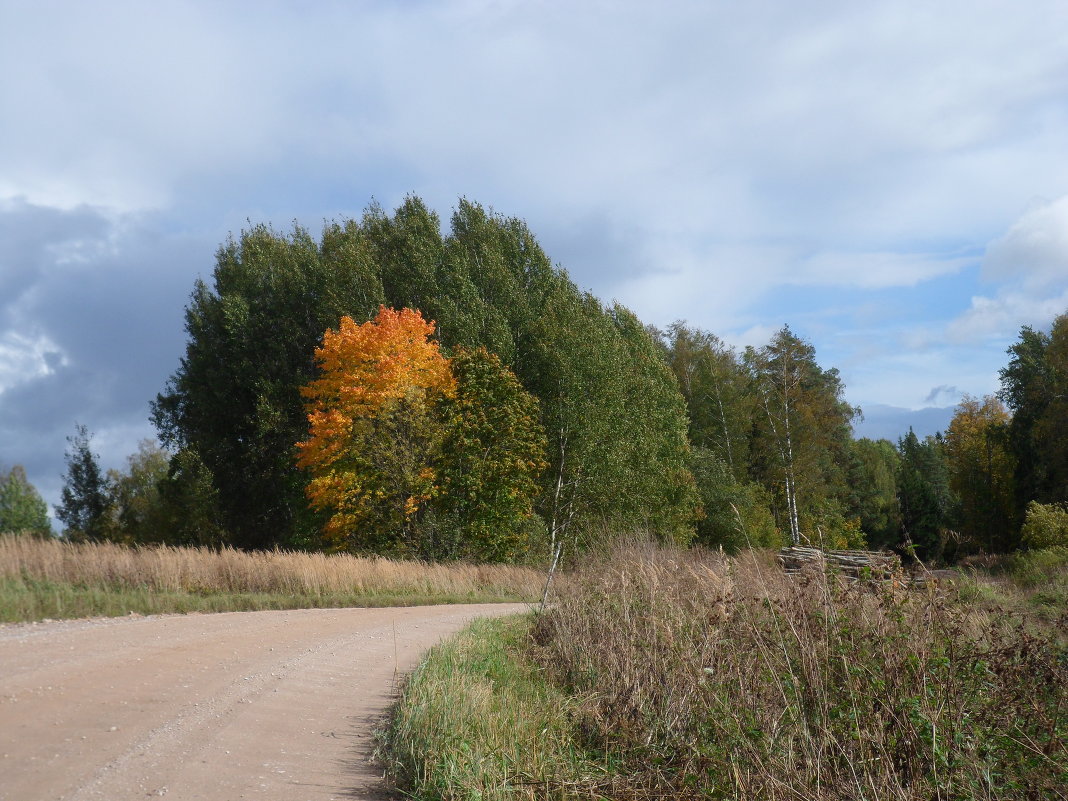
(1034,252)
(25,359)
(1029,265)
(939,391)
(90,331)
(999,318)
(712,284)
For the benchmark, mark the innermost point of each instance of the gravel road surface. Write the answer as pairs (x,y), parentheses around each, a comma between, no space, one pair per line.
(278,706)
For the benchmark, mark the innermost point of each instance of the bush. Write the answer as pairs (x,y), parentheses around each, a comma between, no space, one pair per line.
(1045,526)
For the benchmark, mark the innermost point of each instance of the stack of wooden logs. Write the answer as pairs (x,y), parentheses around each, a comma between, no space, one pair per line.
(877,565)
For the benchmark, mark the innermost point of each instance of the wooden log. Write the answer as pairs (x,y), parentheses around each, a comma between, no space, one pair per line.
(852,563)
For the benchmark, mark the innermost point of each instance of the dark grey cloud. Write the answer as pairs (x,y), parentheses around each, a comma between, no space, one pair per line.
(944,391)
(91,331)
(32,239)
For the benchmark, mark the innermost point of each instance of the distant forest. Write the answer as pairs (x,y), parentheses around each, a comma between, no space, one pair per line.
(392,389)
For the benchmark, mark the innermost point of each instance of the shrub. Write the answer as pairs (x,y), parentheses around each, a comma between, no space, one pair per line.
(1045,526)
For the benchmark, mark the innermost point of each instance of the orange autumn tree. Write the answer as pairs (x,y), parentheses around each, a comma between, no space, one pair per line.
(373,432)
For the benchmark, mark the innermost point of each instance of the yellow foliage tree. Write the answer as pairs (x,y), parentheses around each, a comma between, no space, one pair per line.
(372,433)
(981,471)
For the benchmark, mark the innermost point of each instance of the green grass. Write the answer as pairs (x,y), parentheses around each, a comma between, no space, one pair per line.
(28,599)
(1032,584)
(479,721)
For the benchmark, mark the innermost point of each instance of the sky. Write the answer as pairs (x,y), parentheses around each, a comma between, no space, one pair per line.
(888,178)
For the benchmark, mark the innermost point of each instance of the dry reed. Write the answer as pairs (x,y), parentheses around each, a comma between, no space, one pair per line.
(202,570)
(706,677)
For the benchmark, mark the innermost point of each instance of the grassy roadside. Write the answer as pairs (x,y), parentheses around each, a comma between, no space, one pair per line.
(50,579)
(668,674)
(478,720)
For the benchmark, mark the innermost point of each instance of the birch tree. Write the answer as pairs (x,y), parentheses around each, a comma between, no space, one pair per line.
(801,433)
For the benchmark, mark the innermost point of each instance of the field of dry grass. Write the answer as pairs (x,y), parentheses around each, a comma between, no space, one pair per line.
(715,677)
(31,569)
(691,675)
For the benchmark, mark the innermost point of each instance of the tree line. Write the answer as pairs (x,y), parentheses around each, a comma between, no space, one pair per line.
(611,436)
(775,459)
(393,388)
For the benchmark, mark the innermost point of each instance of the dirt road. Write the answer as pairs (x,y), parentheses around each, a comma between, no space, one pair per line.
(256,705)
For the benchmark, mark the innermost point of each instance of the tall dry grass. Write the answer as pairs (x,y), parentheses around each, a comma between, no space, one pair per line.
(202,570)
(706,677)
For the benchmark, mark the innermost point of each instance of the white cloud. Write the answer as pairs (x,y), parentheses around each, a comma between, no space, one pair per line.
(25,358)
(903,378)
(752,119)
(714,285)
(1029,264)
(1034,252)
(875,270)
(1000,317)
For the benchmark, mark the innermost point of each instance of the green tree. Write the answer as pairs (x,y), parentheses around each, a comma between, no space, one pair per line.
(135,495)
(189,498)
(21,506)
(1045,526)
(1034,385)
(718,391)
(655,447)
(927,503)
(734,514)
(495,287)
(235,400)
(492,457)
(801,434)
(85,506)
(1051,430)
(872,495)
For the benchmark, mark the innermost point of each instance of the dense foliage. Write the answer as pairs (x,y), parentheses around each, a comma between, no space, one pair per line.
(1034,386)
(772,441)
(492,456)
(85,499)
(771,434)
(610,408)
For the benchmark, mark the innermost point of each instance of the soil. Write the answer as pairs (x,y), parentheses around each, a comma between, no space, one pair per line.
(245,705)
